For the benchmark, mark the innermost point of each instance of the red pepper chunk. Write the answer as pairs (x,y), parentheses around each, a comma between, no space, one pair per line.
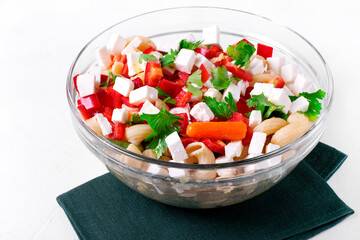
(172,88)
(108,113)
(187,140)
(91,103)
(183,76)
(119,131)
(182,98)
(86,115)
(248,136)
(215,146)
(238,72)
(75,82)
(148,50)
(138,83)
(105,99)
(278,82)
(183,123)
(238,117)
(242,106)
(117,102)
(264,51)
(153,74)
(204,73)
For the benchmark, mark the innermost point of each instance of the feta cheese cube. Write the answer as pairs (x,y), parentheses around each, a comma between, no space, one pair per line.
(243,86)
(201,112)
(234,90)
(103,57)
(257,142)
(185,60)
(271,147)
(288,91)
(288,72)
(265,88)
(177,173)
(213,93)
(133,63)
(86,84)
(273,161)
(276,63)
(157,170)
(211,35)
(208,84)
(104,124)
(201,60)
(96,70)
(256,66)
(300,104)
(142,94)
(178,110)
(123,86)
(226,172)
(119,115)
(224,159)
(302,84)
(133,45)
(233,149)
(176,147)
(169,69)
(166,46)
(148,108)
(278,96)
(189,38)
(255,118)
(116,44)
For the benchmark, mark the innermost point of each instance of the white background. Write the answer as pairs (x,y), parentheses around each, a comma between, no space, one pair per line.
(41,155)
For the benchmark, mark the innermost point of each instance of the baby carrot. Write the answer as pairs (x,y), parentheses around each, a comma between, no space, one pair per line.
(233,131)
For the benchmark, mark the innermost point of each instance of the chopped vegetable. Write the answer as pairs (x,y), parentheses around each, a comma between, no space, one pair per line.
(241,53)
(135,119)
(264,51)
(195,78)
(193,90)
(182,98)
(107,82)
(238,72)
(146,58)
(168,58)
(221,109)
(153,74)
(189,45)
(204,74)
(215,146)
(267,108)
(233,131)
(168,88)
(220,78)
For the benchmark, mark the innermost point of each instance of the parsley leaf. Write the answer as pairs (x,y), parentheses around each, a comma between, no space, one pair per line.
(168,58)
(107,82)
(193,89)
(189,45)
(241,53)
(162,93)
(220,78)
(267,108)
(146,58)
(195,78)
(314,104)
(221,109)
(163,124)
(135,119)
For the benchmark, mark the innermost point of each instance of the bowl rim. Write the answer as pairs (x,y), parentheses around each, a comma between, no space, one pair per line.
(293,144)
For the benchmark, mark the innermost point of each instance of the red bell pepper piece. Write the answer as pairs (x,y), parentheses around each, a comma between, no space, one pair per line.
(153,74)
(242,106)
(91,103)
(125,101)
(204,51)
(183,123)
(75,82)
(247,93)
(108,113)
(123,59)
(172,88)
(264,51)
(238,72)
(182,98)
(138,83)
(238,117)
(148,50)
(103,78)
(278,82)
(183,76)
(215,146)
(248,136)
(118,131)
(125,71)
(105,99)
(187,140)
(117,102)
(204,73)
(245,40)
(86,115)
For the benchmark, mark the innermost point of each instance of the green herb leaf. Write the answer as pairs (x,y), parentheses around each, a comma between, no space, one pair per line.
(162,93)
(120,143)
(163,124)
(189,45)
(235,78)
(267,108)
(135,119)
(193,89)
(241,53)
(314,104)
(195,78)
(221,109)
(220,78)
(168,58)
(146,58)
(107,82)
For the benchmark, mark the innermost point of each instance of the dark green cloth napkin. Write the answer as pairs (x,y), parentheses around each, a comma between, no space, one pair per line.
(299,207)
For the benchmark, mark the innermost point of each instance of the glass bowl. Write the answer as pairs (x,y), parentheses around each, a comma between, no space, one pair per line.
(192,192)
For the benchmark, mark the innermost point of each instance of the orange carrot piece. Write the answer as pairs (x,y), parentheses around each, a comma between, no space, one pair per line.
(234,131)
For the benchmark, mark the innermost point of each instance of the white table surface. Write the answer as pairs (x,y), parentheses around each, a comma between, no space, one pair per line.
(42,156)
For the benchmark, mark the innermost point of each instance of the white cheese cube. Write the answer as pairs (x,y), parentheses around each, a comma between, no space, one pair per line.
(301,104)
(120,115)
(142,94)
(272,161)
(185,60)
(256,66)
(288,72)
(96,70)
(148,108)
(265,88)
(213,93)
(234,90)
(252,155)
(176,147)
(211,35)
(255,118)
(278,96)
(201,60)
(271,147)
(86,84)
(103,57)
(133,63)
(288,91)
(233,149)
(123,86)
(156,54)
(208,83)
(189,38)
(257,142)
(116,44)
(157,170)
(302,84)
(202,113)
(178,110)
(224,159)
(133,45)
(276,63)
(178,173)
(169,69)
(226,172)
(166,46)
(104,124)
(243,86)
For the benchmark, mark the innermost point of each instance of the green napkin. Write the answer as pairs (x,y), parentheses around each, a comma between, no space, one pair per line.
(299,207)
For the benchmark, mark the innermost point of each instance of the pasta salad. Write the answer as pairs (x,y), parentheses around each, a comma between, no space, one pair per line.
(192,101)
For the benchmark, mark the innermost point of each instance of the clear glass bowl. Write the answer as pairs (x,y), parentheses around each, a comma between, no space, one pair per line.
(191,192)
